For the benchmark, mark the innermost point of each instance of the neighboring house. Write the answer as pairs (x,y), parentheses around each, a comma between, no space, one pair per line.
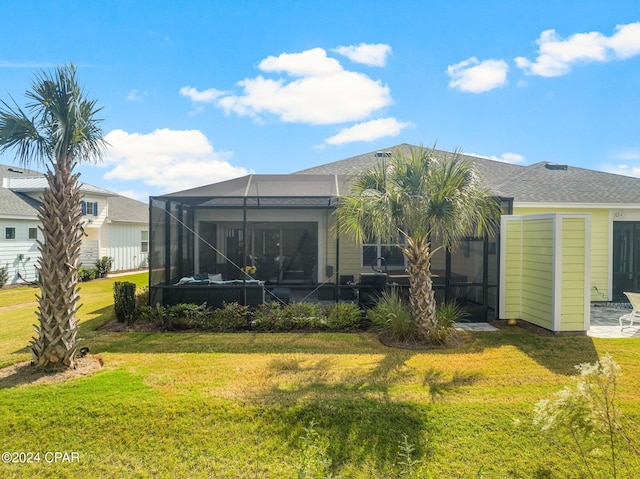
(569,236)
(114,226)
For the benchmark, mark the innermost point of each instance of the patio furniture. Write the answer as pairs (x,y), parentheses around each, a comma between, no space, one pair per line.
(634,299)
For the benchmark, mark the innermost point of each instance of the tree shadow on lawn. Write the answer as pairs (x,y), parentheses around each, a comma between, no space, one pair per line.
(360,418)
(558,353)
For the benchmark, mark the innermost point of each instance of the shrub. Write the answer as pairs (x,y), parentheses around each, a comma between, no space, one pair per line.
(588,413)
(87,274)
(103,266)
(124,300)
(275,317)
(187,316)
(231,317)
(393,315)
(343,317)
(4,275)
(142,297)
(447,314)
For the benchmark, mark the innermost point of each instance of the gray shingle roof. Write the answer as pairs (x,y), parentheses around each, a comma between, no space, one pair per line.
(128,210)
(15,203)
(536,183)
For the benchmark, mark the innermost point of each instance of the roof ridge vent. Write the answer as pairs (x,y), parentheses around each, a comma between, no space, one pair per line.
(555,166)
(13,170)
(383,154)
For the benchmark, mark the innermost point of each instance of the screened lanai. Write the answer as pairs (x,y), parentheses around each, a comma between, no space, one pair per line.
(239,240)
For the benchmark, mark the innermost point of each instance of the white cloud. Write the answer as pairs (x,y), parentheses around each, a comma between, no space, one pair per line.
(373,55)
(476,77)
(206,96)
(556,55)
(169,160)
(322,92)
(136,95)
(368,131)
(314,62)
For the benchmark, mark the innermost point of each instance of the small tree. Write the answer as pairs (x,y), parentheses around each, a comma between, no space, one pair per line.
(412,201)
(59,129)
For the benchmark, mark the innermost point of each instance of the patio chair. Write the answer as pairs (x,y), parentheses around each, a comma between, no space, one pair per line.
(634,299)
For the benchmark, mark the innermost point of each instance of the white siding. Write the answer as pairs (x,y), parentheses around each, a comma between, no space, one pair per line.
(19,255)
(124,246)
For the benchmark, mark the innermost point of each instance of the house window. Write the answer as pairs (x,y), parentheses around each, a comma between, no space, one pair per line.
(89,208)
(33,233)
(372,250)
(144,241)
(10,233)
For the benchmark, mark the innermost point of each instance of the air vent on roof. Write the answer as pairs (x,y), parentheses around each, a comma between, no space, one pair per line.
(383,154)
(12,170)
(555,166)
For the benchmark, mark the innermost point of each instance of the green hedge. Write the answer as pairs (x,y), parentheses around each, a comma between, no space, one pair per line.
(270,317)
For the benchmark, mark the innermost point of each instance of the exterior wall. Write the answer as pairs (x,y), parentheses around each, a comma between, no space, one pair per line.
(19,255)
(544,260)
(511,302)
(124,246)
(601,241)
(574,271)
(537,272)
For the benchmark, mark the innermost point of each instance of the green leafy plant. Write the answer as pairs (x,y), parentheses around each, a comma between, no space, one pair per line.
(231,317)
(124,301)
(343,317)
(392,315)
(4,275)
(447,314)
(315,463)
(187,316)
(87,274)
(103,266)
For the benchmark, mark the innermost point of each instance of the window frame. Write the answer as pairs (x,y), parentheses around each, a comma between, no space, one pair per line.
(380,246)
(30,230)
(6,233)
(144,242)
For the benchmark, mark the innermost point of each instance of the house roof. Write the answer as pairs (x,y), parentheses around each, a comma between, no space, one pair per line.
(15,182)
(538,183)
(127,210)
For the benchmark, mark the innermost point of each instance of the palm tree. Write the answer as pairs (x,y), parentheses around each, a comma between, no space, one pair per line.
(412,201)
(58,129)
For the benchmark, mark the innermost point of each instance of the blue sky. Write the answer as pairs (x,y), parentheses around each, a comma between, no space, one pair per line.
(196,92)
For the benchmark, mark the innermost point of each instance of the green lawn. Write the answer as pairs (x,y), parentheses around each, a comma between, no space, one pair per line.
(237,405)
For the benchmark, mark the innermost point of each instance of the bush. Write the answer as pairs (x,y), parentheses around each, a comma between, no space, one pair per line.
(343,317)
(124,300)
(275,317)
(231,317)
(87,274)
(103,266)
(393,315)
(447,314)
(187,316)
(4,275)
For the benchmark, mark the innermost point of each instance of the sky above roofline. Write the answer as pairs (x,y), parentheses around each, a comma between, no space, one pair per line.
(206,91)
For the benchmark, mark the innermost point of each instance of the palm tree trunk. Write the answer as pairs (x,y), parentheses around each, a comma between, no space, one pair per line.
(61,215)
(421,293)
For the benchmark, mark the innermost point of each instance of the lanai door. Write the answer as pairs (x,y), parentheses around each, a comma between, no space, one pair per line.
(626,258)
